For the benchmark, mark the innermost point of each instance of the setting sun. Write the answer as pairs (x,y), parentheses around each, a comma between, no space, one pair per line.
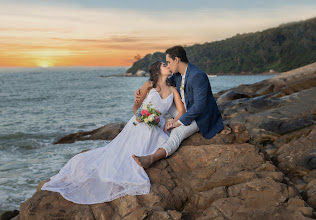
(44,64)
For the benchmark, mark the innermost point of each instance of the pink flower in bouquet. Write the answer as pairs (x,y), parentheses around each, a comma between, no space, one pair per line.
(145,112)
(157,120)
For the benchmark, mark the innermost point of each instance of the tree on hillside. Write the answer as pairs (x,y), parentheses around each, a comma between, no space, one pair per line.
(137,57)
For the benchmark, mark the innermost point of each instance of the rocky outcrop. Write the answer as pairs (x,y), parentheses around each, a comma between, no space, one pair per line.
(268,118)
(107,132)
(287,105)
(216,181)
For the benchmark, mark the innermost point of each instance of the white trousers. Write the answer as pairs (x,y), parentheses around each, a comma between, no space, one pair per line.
(178,134)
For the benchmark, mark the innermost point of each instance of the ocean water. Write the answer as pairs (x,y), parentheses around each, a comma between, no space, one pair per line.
(40,105)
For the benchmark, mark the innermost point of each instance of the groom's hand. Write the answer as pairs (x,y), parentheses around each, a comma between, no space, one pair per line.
(137,96)
(168,125)
(176,124)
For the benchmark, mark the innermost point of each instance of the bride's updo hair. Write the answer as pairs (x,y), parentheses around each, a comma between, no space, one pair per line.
(155,72)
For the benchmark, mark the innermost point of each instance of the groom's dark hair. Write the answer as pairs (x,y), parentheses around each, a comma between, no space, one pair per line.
(178,51)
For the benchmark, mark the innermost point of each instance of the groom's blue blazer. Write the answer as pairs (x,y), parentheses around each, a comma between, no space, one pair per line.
(199,100)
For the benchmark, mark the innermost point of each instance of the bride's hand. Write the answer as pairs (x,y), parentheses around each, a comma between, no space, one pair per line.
(139,121)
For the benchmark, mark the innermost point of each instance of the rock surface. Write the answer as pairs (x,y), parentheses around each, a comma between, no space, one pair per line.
(216,181)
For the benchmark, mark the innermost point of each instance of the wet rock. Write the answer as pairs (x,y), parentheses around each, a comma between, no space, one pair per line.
(107,132)
(7,215)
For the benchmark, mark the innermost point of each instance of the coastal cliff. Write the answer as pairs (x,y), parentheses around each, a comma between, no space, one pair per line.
(261,166)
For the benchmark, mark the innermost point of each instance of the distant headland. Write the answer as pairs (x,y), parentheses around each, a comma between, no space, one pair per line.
(274,50)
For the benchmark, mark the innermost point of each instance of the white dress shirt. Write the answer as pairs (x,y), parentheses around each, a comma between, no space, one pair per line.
(182,91)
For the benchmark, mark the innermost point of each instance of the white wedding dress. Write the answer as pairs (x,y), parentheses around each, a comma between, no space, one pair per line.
(106,173)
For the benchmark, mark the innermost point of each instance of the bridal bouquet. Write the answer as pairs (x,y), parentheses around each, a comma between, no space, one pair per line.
(148,115)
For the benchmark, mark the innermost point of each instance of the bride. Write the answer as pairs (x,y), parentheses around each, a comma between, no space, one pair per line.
(106,173)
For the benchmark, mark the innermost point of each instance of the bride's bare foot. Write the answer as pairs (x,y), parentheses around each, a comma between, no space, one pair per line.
(144,161)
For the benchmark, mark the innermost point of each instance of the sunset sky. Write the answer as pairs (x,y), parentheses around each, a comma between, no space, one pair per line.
(111,33)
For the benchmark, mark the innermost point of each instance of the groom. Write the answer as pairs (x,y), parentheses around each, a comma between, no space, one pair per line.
(202,113)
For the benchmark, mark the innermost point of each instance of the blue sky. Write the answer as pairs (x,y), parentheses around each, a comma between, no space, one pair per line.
(170,5)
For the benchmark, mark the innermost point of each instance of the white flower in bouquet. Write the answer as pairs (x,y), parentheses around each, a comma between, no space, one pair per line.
(151,118)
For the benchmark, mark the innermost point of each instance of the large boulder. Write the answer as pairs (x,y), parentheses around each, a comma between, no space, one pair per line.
(267,119)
